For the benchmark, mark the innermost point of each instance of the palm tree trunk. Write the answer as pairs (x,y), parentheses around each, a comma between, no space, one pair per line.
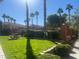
(8,20)
(11,20)
(44,18)
(4,20)
(37,19)
(44,15)
(60,18)
(27,15)
(27,18)
(69,16)
(14,22)
(60,14)
(32,21)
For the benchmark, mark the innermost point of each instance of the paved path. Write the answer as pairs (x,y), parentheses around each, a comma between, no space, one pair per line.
(75,50)
(2,56)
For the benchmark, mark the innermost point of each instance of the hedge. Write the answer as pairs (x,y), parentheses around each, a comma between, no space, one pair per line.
(62,49)
(41,34)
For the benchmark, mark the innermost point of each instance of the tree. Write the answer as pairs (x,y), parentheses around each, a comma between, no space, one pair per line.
(11,19)
(76,11)
(76,19)
(14,21)
(4,16)
(32,15)
(60,10)
(69,8)
(65,15)
(37,13)
(63,18)
(25,21)
(45,18)
(0,26)
(8,18)
(1,1)
(53,21)
(6,29)
(44,15)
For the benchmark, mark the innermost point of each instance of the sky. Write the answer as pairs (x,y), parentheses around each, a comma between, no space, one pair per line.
(17,8)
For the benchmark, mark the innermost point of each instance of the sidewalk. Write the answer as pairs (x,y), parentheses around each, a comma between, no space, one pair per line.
(2,56)
(75,50)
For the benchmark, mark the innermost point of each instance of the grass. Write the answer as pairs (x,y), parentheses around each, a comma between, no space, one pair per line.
(23,48)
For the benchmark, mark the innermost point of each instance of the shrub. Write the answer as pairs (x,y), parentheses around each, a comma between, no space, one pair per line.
(40,35)
(62,49)
(35,34)
(48,56)
(74,34)
(54,35)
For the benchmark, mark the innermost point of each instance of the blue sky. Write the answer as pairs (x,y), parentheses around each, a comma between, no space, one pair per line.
(16,9)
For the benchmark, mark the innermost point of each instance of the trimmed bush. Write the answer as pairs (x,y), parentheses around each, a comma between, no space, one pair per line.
(62,49)
(54,35)
(40,35)
(35,34)
(48,56)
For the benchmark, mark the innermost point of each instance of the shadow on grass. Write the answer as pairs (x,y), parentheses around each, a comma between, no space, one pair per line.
(29,53)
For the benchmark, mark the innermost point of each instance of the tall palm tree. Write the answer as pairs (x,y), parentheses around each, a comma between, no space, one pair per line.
(37,13)
(44,15)
(11,19)
(45,18)
(69,8)
(14,21)
(4,16)
(8,18)
(0,26)
(60,10)
(1,1)
(25,21)
(11,27)
(32,15)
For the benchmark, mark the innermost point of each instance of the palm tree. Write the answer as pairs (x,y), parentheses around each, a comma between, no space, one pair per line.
(4,16)
(37,13)
(60,10)
(45,18)
(8,18)
(11,19)
(44,15)
(14,21)
(0,26)
(11,27)
(1,1)
(32,15)
(69,8)
(25,21)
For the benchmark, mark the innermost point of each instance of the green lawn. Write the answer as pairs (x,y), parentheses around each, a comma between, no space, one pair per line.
(18,49)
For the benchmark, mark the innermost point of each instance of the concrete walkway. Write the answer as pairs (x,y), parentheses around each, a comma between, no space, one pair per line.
(2,56)
(75,50)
